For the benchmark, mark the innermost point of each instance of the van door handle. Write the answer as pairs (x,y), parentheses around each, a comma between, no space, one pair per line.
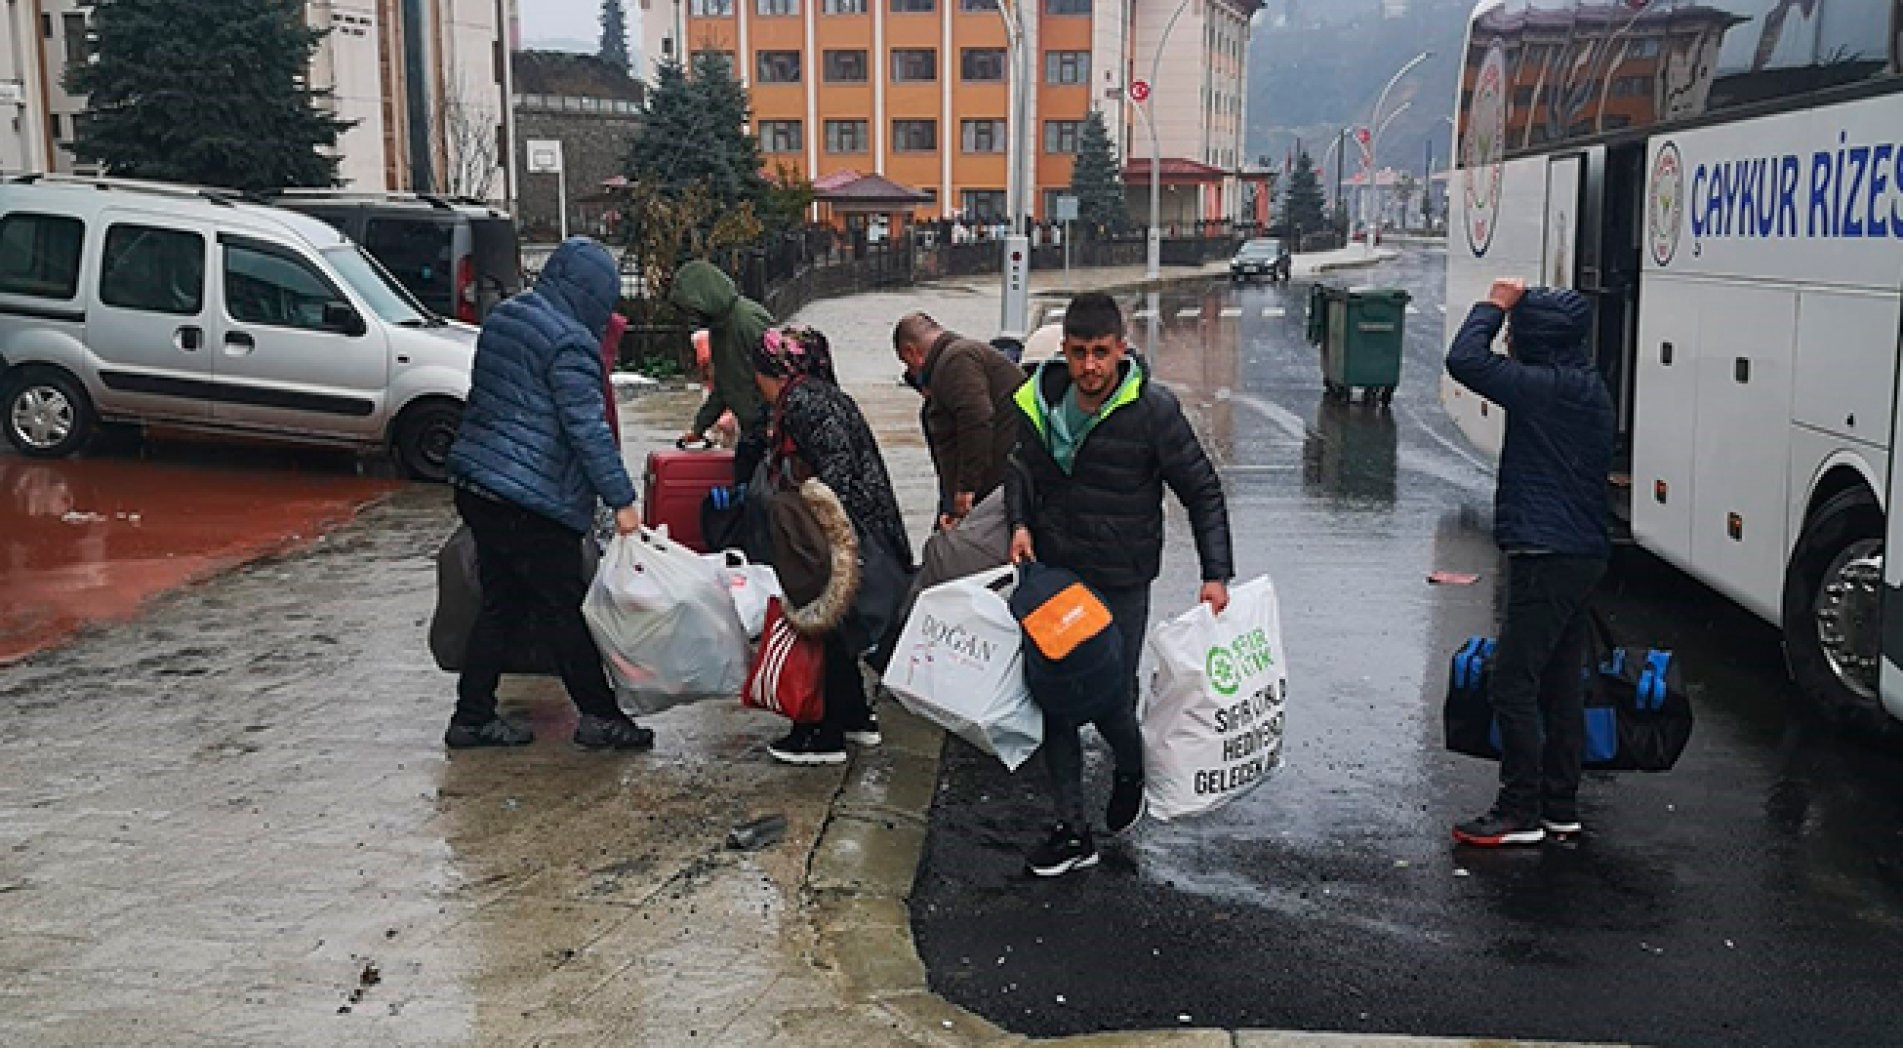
(188,339)
(238,344)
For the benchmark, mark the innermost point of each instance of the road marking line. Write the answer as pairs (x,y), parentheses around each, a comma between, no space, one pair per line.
(1232,311)
(1142,314)
(1442,307)
(1056,311)
(1189,311)
(1413,311)
(1274,311)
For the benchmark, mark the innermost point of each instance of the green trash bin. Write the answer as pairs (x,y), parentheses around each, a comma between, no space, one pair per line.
(1361,347)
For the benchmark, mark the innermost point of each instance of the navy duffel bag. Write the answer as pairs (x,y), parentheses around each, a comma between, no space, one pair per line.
(1638,717)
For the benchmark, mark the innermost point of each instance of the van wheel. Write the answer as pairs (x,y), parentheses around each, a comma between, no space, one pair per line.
(1833,612)
(47,413)
(424,434)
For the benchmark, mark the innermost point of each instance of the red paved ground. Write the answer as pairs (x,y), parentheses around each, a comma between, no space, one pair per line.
(90,540)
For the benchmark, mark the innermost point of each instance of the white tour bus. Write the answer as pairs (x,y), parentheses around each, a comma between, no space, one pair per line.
(1724,178)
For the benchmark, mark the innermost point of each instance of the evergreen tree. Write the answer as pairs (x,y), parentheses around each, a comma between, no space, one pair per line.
(1096,179)
(1303,207)
(214,92)
(614,34)
(695,134)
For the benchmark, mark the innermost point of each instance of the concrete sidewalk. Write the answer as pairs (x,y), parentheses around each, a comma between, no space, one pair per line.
(232,822)
(1054,283)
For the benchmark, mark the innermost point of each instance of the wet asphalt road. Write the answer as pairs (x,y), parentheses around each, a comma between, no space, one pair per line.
(1753,896)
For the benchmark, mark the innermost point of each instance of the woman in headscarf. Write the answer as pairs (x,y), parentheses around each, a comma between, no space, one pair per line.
(817,431)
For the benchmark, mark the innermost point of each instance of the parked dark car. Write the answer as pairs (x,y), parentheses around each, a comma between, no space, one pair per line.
(1261,257)
(460,257)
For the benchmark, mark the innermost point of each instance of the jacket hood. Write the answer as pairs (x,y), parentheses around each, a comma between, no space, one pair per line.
(1550,326)
(581,280)
(701,288)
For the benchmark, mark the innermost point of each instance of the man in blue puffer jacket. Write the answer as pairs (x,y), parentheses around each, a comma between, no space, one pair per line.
(532,457)
(1550,520)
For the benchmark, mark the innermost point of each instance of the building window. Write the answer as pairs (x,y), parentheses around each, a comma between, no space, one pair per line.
(1066,7)
(845,67)
(78,49)
(710,8)
(914,136)
(39,255)
(770,8)
(914,7)
(1067,67)
(984,203)
(1060,136)
(914,65)
(845,136)
(844,7)
(1632,87)
(982,136)
(781,136)
(777,67)
(976,6)
(982,64)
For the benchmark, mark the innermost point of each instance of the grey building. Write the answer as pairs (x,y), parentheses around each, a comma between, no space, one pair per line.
(593,109)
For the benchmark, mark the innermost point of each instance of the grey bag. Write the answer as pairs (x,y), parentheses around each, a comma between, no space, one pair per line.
(459,601)
(981,542)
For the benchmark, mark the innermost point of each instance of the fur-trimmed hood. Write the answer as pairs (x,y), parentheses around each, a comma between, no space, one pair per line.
(824,613)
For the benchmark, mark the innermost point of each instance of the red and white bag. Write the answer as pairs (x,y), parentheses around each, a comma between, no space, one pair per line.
(789,672)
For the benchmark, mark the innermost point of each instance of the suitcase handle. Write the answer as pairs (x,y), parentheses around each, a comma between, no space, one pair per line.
(681,443)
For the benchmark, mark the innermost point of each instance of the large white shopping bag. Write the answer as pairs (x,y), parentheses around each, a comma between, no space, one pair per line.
(665,623)
(959,663)
(751,585)
(1212,723)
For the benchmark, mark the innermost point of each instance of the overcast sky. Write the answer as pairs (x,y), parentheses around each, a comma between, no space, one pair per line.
(546,19)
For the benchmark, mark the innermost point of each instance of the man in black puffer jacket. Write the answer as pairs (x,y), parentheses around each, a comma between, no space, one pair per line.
(1550,520)
(1084,491)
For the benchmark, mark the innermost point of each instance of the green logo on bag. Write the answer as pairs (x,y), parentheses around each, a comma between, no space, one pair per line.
(1222,671)
(1247,655)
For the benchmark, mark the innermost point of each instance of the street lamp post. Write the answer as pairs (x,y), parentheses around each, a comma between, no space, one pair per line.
(1153,260)
(1374,119)
(1374,168)
(1015,320)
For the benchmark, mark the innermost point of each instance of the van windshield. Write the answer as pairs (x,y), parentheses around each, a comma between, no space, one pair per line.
(386,297)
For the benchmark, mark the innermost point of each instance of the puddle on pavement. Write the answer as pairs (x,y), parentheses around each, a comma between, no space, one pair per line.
(85,541)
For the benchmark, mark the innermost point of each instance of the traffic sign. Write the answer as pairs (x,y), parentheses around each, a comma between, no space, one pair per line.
(1139,90)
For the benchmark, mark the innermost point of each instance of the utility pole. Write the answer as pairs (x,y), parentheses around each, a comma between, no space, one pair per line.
(1341,161)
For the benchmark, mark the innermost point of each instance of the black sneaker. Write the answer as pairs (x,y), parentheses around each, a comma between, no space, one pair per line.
(612,733)
(1063,851)
(1497,828)
(865,733)
(1126,802)
(806,744)
(493,732)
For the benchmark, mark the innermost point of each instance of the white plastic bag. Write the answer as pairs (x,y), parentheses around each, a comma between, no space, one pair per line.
(751,585)
(664,622)
(959,663)
(1212,723)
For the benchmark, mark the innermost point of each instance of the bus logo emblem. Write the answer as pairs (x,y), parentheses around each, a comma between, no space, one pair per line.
(1665,204)
(1483,150)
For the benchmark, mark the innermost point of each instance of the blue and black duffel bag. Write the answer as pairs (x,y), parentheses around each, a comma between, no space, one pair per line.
(1638,717)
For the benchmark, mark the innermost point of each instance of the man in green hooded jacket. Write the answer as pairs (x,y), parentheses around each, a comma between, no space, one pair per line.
(734,324)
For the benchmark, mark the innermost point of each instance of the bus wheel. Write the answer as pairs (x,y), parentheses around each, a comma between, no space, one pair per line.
(1833,611)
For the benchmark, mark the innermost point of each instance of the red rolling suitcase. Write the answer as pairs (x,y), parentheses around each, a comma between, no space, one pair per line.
(676,483)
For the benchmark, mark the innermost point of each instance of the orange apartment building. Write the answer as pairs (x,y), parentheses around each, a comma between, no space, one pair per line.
(918,91)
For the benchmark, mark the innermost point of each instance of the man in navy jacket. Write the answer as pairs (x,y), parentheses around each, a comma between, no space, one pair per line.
(532,457)
(1550,520)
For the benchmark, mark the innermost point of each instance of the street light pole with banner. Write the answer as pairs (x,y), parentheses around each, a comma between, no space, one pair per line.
(545,158)
(1374,121)
(1153,261)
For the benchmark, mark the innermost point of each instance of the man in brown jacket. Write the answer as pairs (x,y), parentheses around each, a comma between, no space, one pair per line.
(970,423)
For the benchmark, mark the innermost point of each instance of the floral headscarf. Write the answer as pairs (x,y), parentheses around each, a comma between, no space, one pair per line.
(794,352)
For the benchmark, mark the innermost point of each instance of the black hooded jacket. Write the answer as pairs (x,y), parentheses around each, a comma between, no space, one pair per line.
(1104,518)
(1551,494)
